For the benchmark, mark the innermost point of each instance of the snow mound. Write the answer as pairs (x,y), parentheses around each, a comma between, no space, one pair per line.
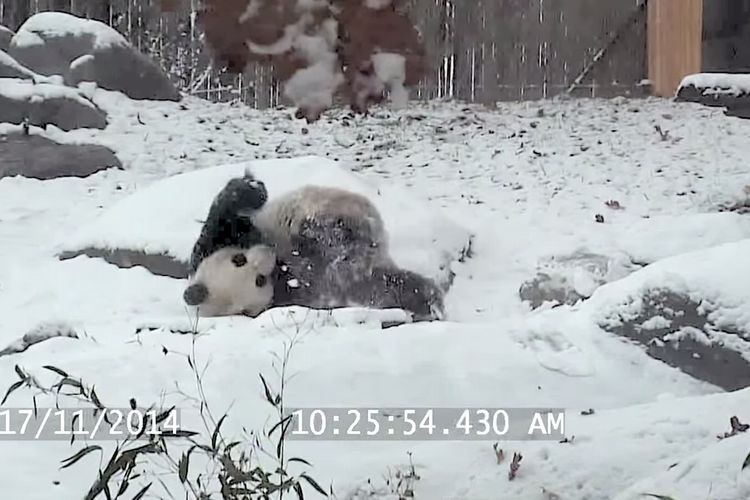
(655,238)
(59,24)
(166,217)
(713,472)
(569,278)
(38,334)
(716,277)
(690,311)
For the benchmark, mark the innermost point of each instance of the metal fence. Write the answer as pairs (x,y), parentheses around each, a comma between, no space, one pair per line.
(479,50)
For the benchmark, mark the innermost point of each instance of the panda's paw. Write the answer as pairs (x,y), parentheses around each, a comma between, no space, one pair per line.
(245,194)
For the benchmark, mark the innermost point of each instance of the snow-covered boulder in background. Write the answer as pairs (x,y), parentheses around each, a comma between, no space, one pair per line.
(37,157)
(157,227)
(45,104)
(690,311)
(6,34)
(10,68)
(731,90)
(56,43)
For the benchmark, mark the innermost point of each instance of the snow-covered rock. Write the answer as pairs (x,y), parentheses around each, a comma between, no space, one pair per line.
(6,34)
(37,157)
(10,68)
(56,43)
(731,90)
(160,224)
(570,278)
(40,333)
(689,310)
(734,84)
(45,104)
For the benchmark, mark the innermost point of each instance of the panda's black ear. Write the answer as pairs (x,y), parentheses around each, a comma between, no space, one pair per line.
(239,259)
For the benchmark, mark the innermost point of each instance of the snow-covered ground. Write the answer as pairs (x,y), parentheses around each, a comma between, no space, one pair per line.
(527,179)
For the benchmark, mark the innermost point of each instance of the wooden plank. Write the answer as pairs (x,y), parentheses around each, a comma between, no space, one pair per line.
(674,43)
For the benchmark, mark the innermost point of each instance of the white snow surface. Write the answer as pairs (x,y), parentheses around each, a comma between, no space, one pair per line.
(167,216)
(526,178)
(45,25)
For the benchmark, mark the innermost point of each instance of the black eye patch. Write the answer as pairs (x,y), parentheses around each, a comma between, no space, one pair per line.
(260,281)
(239,259)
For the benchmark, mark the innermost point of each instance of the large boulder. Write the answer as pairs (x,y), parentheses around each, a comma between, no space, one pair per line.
(10,68)
(37,157)
(43,104)
(56,43)
(6,34)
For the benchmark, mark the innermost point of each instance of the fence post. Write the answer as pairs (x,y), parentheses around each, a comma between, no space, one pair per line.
(675,36)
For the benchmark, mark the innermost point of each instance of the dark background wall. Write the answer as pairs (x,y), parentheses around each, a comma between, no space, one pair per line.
(726,36)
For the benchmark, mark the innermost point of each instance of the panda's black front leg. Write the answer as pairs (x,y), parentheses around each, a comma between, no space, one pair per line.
(229,220)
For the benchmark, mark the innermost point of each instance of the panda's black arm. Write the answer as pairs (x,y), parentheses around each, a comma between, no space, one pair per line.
(225,225)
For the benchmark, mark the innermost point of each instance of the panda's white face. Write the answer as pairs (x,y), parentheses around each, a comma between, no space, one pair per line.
(233,281)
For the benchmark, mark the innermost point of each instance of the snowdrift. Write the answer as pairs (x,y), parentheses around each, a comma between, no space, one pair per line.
(689,310)
(157,226)
(566,278)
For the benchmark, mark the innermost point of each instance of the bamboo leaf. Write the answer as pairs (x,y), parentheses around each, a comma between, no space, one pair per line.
(317,487)
(269,397)
(142,492)
(60,372)
(12,388)
(215,434)
(79,455)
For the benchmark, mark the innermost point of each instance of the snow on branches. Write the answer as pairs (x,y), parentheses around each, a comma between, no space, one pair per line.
(363,49)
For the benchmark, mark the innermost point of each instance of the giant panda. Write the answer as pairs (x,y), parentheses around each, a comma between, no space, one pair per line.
(328,246)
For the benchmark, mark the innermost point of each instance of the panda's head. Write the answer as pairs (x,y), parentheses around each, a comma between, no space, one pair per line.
(232,281)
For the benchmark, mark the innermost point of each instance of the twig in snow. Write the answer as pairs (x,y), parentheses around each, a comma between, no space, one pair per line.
(664,134)
(613,204)
(514,466)
(737,427)
(499,454)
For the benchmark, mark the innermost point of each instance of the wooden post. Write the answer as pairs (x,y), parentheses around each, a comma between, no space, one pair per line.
(675,37)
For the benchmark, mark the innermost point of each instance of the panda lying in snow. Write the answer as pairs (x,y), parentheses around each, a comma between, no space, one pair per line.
(318,247)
